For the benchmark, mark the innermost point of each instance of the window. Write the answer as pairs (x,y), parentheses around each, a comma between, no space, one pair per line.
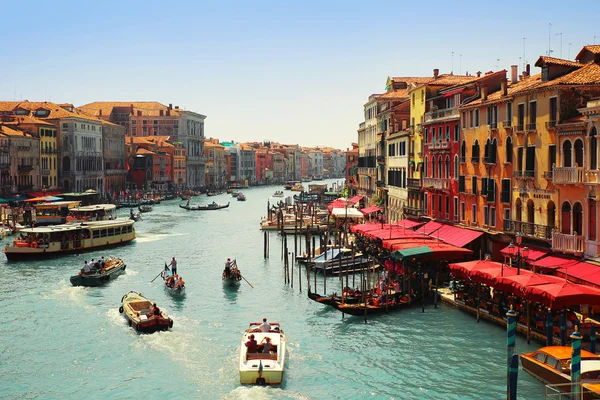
(456,208)
(145,122)
(509,150)
(506,191)
(507,214)
(463,210)
(155,122)
(463,152)
(521,116)
(475,152)
(461,184)
(447,132)
(456,133)
(473,185)
(486,219)
(532,112)
(425,203)
(509,111)
(553,111)
(474,211)
(492,216)
(476,118)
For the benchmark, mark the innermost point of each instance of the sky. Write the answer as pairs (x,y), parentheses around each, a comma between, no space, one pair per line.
(286,71)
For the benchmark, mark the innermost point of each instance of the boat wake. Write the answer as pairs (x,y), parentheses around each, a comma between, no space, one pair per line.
(261,392)
(69,295)
(156,237)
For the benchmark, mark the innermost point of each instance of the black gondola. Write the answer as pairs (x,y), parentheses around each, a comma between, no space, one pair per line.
(208,207)
(112,269)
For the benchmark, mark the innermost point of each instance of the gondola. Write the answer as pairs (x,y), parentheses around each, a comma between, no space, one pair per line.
(145,208)
(172,290)
(113,267)
(353,305)
(213,206)
(233,279)
(241,197)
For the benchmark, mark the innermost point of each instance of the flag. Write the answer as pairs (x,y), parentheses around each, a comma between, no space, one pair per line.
(260,368)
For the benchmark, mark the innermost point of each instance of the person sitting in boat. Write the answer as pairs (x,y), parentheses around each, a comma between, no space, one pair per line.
(170,281)
(252,345)
(213,204)
(267,345)
(178,283)
(86,268)
(154,311)
(227,268)
(102,262)
(265,326)
(131,213)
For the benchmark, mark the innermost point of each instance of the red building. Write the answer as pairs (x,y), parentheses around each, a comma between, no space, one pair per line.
(352,164)
(264,165)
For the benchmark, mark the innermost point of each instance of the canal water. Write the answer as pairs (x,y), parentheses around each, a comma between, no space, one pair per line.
(59,341)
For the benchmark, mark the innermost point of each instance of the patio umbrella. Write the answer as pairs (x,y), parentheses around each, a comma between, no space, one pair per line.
(562,295)
(516,283)
(488,276)
(466,269)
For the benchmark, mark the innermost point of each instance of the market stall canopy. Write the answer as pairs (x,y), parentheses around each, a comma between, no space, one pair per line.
(464,269)
(370,210)
(582,272)
(552,263)
(560,295)
(534,254)
(347,213)
(455,236)
(44,193)
(393,232)
(430,227)
(355,199)
(429,249)
(488,276)
(516,283)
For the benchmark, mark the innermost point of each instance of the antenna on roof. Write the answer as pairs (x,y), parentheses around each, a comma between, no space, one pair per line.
(460,64)
(524,58)
(452,69)
(560,54)
(549,35)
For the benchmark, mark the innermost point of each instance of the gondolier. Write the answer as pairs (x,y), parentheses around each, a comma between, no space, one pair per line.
(227,267)
(173,266)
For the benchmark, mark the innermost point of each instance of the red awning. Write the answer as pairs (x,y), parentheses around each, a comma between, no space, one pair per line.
(400,242)
(430,227)
(408,223)
(534,254)
(363,228)
(370,210)
(516,283)
(456,236)
(488,276)
(553,262)
(43,194)
(453,92)
(393,232)
(559,295)
(582,272)
(464,269)
(439,250)
(355,199)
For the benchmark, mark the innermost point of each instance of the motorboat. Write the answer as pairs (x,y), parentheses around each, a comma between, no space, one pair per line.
(112,268)
(136,309)
(278,193)
(241,197)
(263,368)
(552,365)
(297,188)
(144,208)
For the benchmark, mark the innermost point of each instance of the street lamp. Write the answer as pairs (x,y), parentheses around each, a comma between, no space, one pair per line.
(519,254)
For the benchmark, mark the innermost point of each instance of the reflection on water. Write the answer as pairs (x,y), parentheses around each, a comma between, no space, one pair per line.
(230,292)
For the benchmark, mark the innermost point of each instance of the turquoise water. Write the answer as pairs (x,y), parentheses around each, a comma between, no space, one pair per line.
(59,341)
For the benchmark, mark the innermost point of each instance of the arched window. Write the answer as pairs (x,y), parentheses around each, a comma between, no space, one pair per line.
(519,210)
(486,150)
(475,152)
(579,153)
(594,149)
(440,175)
(448,171)
(577,219)
(551,208)
(426,167)
(66,167)
(530,212)
(566,154)
(463,151)
(566,218)
(509,150)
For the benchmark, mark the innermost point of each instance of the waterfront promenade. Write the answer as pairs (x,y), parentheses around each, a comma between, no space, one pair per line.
(61,341)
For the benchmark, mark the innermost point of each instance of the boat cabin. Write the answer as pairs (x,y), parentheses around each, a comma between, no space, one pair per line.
(97,212)
(53,213)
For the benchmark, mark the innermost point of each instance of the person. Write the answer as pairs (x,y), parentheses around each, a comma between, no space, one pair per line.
(173,266)
(266,345)
(86,268)
(154,311)
(180,283)
(385,276)
(228,268)
(252,345)
(165,273)
(102,262)
(265,326)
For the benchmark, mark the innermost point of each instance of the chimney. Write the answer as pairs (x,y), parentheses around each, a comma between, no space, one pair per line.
(528,69)
(514,73)
(170,106)
(177,107)
(504,87)
(131,109)
(162,113)
(436,72)
(100,113)
(139,113)
(478,74)
(525,74)
(484,93)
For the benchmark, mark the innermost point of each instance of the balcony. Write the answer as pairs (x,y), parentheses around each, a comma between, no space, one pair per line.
(441,114)
(551,125)
(519,128)
(532,127)
(490,160)
(529,229)
(380,184)
(592,176)
(548,175)
(45,171)
(413,211)
(507,124)
(413,183)
(436,183)
(568,175)
(25,168)
(524,174)
(574,244)
(493,127)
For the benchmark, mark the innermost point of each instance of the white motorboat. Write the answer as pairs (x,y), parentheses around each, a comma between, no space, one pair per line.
(263,368)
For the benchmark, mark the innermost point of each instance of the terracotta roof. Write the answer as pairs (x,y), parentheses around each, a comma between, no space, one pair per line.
(413,79)
(589,74)
(144,152)
(399,94)
(594,49)
(557,61)
(512,88)
(148,108)
(56,111)
(11,131)
(210,144)
(24,119)
(451,80)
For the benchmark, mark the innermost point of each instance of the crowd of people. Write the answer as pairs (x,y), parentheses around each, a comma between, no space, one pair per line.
(265,345)
(93,266)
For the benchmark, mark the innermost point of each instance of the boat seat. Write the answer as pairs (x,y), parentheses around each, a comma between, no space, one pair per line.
(261,356)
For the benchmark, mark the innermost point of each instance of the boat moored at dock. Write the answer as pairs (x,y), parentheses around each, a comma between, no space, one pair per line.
(262,366)
(63,239)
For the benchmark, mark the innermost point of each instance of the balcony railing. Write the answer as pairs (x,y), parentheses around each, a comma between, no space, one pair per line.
(413,211)
(45,171)
(519,128)
(529,229)
(413,183)
(551,125)
(493,125)
(380,184)
(489,160)
(592,176)
(524,174)
(440,114)
(574,244)
(568,175)
(436,183)
(25,168)
(507,124)
(532,127)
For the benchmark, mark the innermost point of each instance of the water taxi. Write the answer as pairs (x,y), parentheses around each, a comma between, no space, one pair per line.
(53,213)
(278,193)
(297,188)
(289,185)
(552,365)
(62,239)
(96,212)
(263,368)
(97,276)
(139,314)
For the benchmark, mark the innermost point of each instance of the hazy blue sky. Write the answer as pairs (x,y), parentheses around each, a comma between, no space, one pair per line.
(294,72)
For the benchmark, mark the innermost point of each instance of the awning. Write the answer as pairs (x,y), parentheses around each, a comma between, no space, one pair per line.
(427,248)
(516,283)
(456,236)
(430,227)
(370,210)
(465,269)
(581,272)
(553,262)
(43,198)
(347,212)
(534,254)
(355,199)
(415,252)
(488,276)
(559,295)
(44,193)
(407,223)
